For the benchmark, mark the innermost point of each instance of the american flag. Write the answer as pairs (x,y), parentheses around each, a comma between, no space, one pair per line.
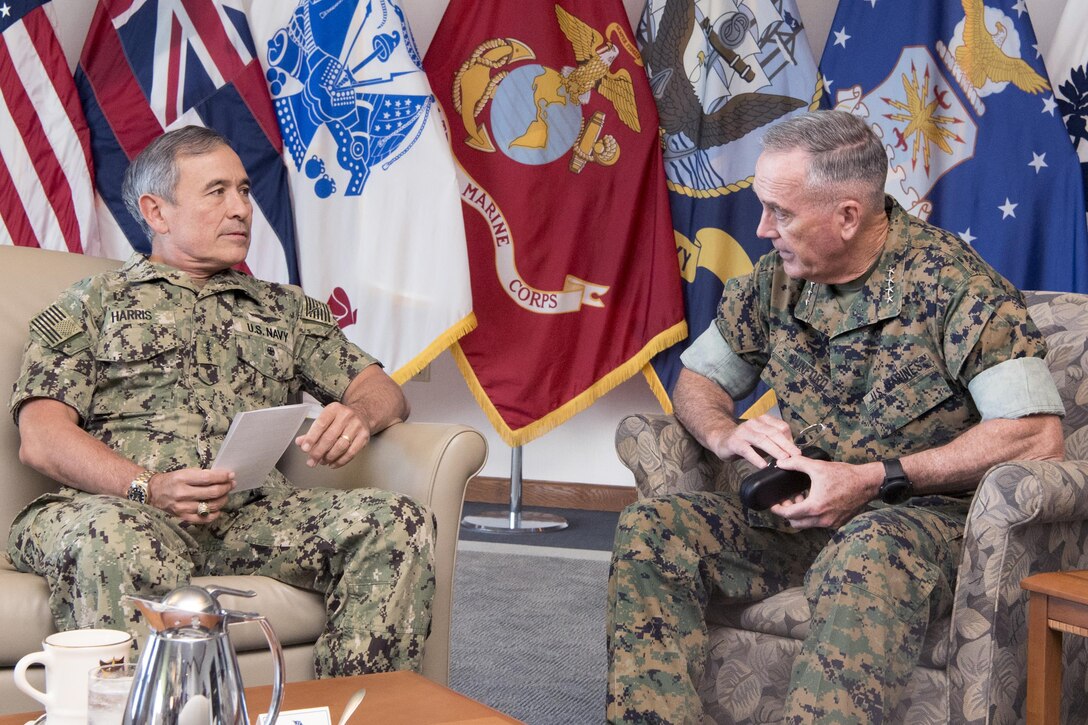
(150,66)
(46,192)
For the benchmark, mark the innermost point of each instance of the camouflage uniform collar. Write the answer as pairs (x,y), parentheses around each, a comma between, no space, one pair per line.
(880,298)
(138,268)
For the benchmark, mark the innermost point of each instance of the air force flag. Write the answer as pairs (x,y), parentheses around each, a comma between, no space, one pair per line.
(381,236)
(959,95)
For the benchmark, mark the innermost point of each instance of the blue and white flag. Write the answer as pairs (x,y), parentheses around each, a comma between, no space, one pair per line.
(722,72)
(381,236)
(149,67)
(975,141)
(1068,65)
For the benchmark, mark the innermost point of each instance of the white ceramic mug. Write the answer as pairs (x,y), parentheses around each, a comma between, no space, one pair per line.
(68,657)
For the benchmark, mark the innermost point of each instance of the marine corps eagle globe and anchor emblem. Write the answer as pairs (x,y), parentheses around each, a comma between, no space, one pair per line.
(535,116)
(536,111)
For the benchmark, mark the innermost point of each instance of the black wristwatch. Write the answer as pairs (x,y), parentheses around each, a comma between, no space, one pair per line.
(896,488)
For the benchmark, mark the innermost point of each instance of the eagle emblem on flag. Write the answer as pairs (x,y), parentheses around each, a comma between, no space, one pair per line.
(959,95)
(536,115)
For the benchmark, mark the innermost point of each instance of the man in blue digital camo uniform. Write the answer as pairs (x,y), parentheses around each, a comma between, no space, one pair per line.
(924,365)
(128,385)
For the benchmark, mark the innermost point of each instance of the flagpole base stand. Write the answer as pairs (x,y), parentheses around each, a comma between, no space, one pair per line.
(508,522)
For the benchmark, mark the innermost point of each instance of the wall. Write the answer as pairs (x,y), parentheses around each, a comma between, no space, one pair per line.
(581,450)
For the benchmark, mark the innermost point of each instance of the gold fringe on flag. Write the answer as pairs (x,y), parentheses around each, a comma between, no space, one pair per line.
(413,367)
(576,405)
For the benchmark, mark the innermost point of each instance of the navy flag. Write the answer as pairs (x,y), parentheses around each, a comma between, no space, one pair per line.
(722,72)
(976,145)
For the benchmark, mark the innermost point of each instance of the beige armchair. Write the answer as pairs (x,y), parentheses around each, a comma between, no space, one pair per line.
(1025,518)
(430,462)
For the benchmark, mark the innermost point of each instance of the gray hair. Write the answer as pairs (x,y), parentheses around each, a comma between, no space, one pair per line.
(155,169)
(844,152)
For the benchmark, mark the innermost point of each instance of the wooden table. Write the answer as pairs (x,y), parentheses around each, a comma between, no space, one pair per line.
(392,698)
(1059,603)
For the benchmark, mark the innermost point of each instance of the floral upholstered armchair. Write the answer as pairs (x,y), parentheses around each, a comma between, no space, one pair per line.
(1027,517)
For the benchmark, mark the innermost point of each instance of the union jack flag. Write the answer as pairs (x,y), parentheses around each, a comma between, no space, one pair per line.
(149,66)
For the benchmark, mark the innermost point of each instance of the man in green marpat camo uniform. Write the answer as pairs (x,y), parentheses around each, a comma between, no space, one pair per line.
(924,365)
(129,383)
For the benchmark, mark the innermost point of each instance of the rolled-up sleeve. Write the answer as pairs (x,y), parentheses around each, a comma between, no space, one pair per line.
(711,357)
(1015,388)
(992,345)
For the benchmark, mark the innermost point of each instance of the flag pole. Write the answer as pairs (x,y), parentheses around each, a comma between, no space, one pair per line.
(514,521)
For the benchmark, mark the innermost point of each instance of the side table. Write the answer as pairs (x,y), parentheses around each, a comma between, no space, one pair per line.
(1058,604)
(392,698)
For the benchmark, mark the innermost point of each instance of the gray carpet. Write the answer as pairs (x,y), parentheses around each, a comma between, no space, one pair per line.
(528,635)
(585,530)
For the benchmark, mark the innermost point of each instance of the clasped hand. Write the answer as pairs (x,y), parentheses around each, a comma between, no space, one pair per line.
(195,495)
(836,491)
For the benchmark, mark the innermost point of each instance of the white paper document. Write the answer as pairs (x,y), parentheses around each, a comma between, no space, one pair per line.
(309,716)
(257,438)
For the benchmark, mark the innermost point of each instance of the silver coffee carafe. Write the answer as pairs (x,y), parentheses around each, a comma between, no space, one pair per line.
(188,672)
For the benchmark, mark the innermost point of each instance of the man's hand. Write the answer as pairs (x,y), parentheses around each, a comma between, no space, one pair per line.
(837,492)
(371,404)
(706,411)
(181,493)
(337,435)
(766,433)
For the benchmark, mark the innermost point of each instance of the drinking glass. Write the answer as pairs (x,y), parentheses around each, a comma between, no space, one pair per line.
(107,693)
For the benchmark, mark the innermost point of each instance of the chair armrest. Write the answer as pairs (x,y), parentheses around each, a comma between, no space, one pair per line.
(1027,517)
(430,462)
(666,459)
(411,458)
(1031,492)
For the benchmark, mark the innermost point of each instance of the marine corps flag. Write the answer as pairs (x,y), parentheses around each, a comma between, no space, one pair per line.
(570,242)
(722,72)
(975,140)
(380,235)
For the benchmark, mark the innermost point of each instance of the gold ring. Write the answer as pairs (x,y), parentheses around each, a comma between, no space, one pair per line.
(346,438)
(202,509)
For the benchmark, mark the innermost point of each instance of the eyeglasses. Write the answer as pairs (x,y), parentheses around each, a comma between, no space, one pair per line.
(810,434)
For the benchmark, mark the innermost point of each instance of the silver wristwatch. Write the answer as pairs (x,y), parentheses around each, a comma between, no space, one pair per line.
(137,490)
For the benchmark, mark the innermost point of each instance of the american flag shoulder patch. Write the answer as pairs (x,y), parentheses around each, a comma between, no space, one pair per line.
(317,311)
(53,325)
